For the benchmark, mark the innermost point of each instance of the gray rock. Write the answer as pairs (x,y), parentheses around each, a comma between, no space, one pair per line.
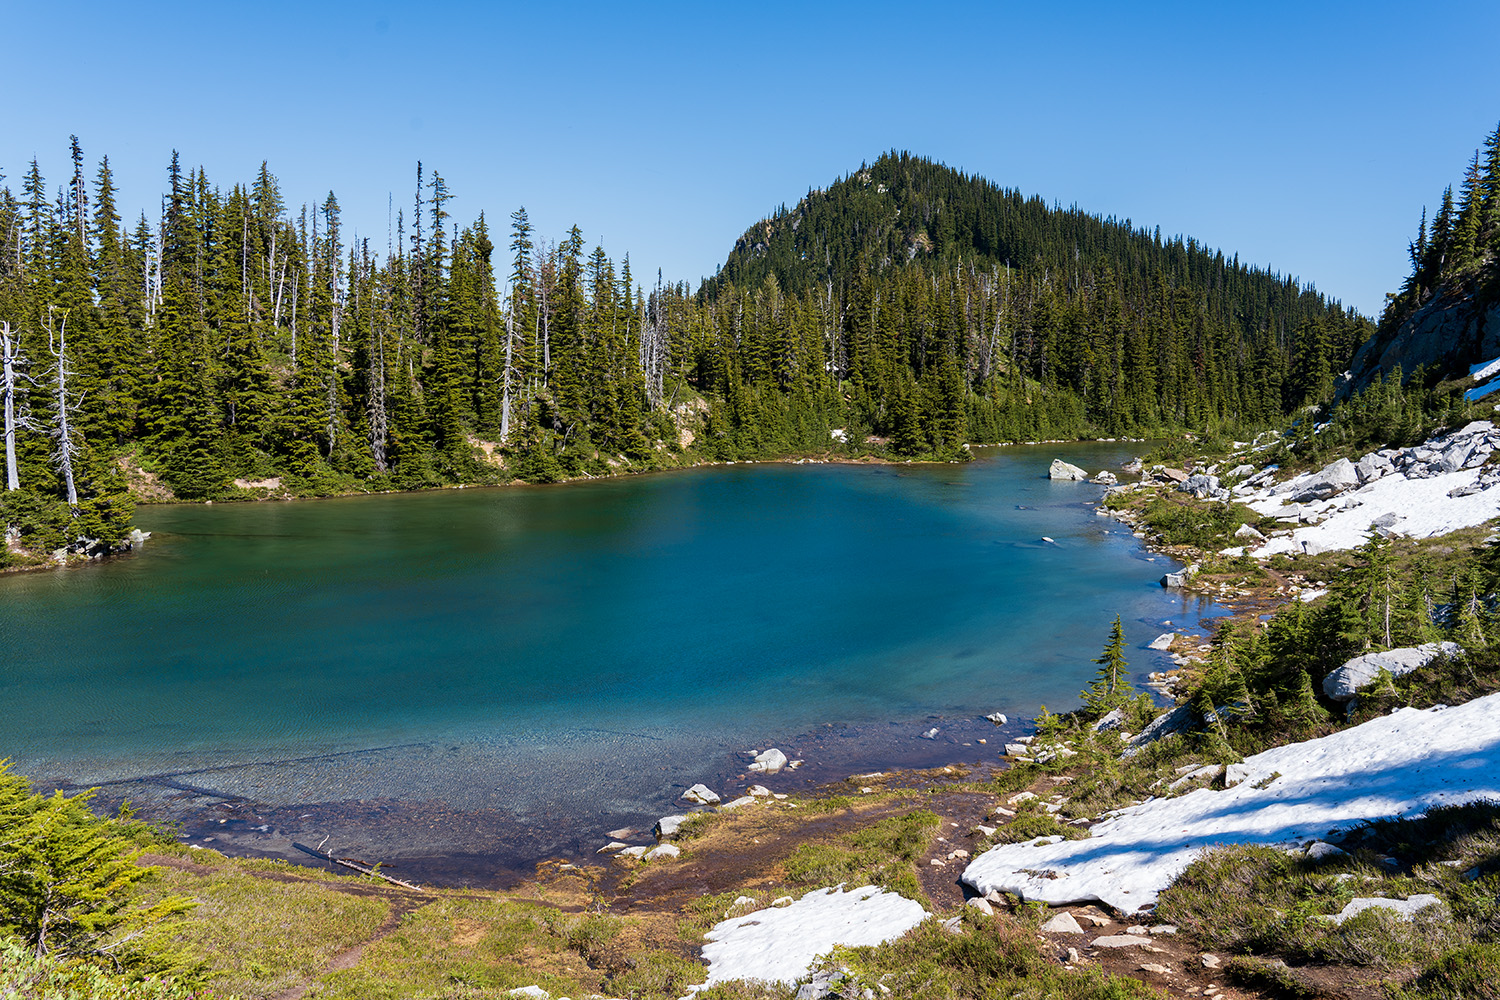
(701,795)
(1178,720)
(931,734)
(1318,850)
(1200,484)
(769,761)
(1372,467)
(633,852)
(1062,470)
(1239,472)
(1404,908)
(1063,923)
(981,904)
(1331,480)
(535,992)
(1121,941)
(1133,466)
(1105,478)
(1342,684)
(1162,641)
(663,851)
(611,847)
(758,791)
(1113,720)
(1249,534)
(666,828)
(743,800)
(998,718)
(1180,578)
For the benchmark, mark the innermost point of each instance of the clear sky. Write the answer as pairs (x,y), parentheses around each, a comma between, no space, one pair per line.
(1305,137)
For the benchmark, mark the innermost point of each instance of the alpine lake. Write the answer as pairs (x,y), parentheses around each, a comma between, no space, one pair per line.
(464,682)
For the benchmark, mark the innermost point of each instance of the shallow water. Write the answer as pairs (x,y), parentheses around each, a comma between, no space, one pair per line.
(578,652)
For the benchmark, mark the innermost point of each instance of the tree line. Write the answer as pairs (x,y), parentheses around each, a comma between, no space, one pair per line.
(1462,238)
(911,308)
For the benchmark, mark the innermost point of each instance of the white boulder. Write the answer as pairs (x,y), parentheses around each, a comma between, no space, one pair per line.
(1065,471)
(1403,908)
(701,795)
(769,761)
(666,828)
(1342,683)
(1333,479)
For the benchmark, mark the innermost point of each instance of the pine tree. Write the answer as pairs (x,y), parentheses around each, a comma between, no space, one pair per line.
(1110,687)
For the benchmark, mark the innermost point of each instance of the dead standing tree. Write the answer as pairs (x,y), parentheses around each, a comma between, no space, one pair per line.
(10,349)
(67,448)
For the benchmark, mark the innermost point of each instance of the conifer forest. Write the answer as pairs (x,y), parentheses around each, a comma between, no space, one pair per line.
(905,311)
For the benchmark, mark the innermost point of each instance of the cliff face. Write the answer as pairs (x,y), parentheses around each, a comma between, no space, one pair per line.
(1457,327)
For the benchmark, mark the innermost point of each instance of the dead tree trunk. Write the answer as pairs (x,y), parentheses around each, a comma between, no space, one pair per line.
(12,356)
(66,449)
(510,343)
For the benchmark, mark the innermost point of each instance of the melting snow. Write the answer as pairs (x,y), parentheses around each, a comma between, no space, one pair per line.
(780,944)
(1422,507)
(1402,764)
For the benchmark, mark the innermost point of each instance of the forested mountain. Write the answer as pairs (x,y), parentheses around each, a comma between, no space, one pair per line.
(1110,327)
(1447,313)
(234,340)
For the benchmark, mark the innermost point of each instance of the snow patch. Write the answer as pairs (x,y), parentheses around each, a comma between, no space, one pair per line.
(1402,764)
(781,944)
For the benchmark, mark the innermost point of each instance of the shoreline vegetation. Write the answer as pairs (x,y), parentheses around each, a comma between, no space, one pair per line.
(1401,906)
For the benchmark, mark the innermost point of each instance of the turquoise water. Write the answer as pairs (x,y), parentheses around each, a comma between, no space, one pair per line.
(586,648)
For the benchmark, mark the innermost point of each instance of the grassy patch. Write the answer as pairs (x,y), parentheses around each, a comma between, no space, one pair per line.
(1264,901)
(987,957)
(658,975)
(1468,973)
(880,854)
(257,937)
(463,948)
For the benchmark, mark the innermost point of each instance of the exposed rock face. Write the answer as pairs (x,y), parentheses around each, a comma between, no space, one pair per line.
(1455,328)
(1343,682)
(1062,470)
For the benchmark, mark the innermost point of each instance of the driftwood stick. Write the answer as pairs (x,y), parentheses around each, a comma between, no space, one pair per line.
(371,871)
(318,852)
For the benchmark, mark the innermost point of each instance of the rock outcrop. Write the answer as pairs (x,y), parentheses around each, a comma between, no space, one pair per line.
(1458,326)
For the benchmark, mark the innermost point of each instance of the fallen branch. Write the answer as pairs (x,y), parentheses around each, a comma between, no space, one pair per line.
(318,852)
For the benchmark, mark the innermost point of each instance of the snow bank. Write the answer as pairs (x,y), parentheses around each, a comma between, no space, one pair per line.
(1422,508)
(1402,764)
(780,944)
(1430,489)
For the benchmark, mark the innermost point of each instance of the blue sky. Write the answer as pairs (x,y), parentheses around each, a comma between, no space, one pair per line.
(1305,137)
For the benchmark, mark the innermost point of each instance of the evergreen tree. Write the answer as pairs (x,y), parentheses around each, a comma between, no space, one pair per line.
(1110,687)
